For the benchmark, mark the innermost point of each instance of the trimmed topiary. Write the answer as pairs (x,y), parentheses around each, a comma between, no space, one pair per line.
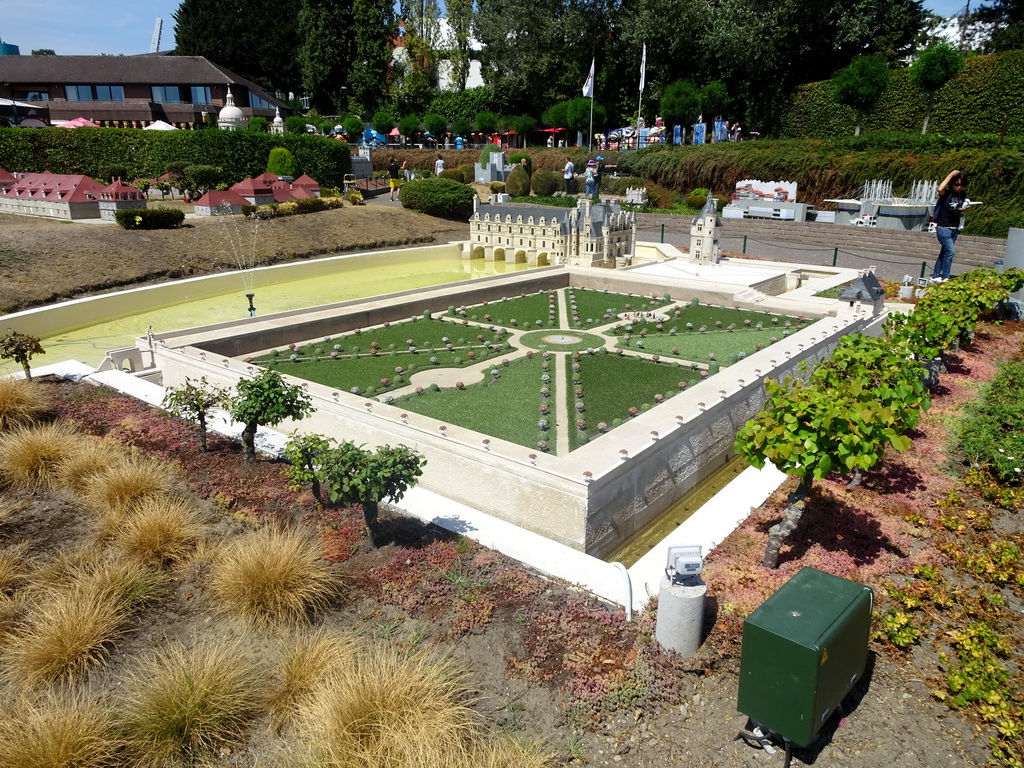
(444,198)
(517,159)
(454,174)
(518,182)
(544,182)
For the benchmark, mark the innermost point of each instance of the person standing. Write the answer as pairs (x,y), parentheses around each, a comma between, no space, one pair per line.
(590,183)
(567,174)
(598,174)
(948,215)
(438,165)
(551,140)
(395,172)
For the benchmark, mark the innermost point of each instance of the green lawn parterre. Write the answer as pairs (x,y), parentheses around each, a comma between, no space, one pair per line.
(375,361)
(506,407)
(613,384)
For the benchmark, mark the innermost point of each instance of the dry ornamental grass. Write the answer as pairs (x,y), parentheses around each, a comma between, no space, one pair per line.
(159,531)
(308,659)
(388,710)
(21,403)
(30,457)
(92,456)
(71,621)
(271,576)
(183,703)
(57,730)
(127,482)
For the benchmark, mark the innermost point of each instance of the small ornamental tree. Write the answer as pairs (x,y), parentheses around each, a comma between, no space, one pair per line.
(937,65)
(353,128)
(268,400)
(409,126)
(435,124)
(281,162)
(355,475)
(855,404)
(860,85)
(305,454)
(193,401)
(807,431)
(518,182)
(20,347)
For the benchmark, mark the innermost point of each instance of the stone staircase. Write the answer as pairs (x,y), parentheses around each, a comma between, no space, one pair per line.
(971,251)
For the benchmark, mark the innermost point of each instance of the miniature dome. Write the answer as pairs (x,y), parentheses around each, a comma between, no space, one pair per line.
(278,124)
(231,117)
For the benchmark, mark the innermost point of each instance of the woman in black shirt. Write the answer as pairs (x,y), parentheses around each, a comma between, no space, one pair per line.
(948,212)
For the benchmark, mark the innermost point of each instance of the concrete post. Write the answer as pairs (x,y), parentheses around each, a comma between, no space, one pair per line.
(680,622)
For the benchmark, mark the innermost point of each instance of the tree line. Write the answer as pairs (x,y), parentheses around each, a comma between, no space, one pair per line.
(737,58)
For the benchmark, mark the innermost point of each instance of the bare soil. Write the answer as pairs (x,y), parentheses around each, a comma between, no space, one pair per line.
(43,261)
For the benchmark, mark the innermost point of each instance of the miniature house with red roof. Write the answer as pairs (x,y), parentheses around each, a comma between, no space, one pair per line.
(220,203)
(51,195)
(118,197)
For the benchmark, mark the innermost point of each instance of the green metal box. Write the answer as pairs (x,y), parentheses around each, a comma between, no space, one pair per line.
(803,650)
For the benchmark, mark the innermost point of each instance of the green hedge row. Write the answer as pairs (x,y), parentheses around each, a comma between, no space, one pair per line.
(146,154)
(976,101)
(149,218)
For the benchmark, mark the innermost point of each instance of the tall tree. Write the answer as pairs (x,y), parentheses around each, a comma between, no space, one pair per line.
(860,84)
(257,39)
(422,36)
(1007,20)
(680,103)
(543,61)
(460,28)
(936,66)
(325,28)
(374,24)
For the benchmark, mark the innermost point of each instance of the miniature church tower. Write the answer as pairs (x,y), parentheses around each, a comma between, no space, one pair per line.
(705,232)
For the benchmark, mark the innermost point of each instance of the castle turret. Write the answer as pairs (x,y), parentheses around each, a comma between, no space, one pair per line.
(705,233)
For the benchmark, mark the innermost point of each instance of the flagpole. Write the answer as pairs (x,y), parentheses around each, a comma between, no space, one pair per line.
(640,101)
(590,133)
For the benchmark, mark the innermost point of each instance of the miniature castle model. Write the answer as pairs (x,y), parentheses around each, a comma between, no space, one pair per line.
(592,234)
(705,232)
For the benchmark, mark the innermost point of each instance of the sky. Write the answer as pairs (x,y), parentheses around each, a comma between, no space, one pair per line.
(80,27)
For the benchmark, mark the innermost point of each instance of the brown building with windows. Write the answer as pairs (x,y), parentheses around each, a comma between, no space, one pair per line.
(131,91)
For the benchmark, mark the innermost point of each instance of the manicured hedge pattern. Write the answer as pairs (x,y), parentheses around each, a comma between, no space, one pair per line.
(146,154)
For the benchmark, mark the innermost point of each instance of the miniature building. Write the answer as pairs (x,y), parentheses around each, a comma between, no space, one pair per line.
(257,191)
(220,203)
(277,126)
(496,169)
(705,232)
(230,117)
(592,234)
(52,195)
(118,197)
(308,184)
(865,289)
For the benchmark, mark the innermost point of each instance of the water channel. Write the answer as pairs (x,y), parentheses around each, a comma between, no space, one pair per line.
(89,342)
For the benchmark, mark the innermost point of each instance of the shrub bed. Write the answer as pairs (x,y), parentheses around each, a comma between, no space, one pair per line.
(444,198)
(149,218)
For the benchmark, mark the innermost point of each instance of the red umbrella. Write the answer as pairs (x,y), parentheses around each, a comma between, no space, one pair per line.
(79,122)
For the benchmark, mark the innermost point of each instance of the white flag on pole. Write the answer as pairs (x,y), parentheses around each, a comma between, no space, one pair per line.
(588,87)
(643,68)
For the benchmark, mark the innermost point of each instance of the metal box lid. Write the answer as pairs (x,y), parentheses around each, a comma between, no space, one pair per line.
(786,612)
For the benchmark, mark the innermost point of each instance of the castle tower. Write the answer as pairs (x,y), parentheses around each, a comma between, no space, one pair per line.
(705,232)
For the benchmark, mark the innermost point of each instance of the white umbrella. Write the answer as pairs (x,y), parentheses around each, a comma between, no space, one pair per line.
(22,104)
(160,125)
